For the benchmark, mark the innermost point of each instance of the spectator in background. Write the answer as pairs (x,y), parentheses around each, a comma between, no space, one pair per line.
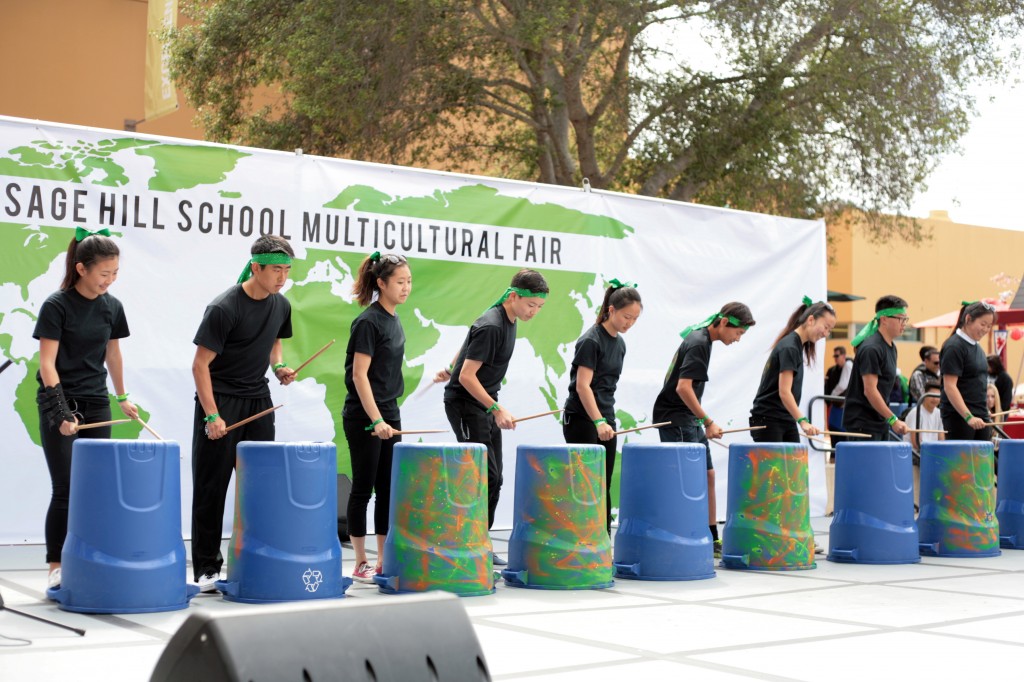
(928,369)
(837,379)
(1003,382)
(925,415)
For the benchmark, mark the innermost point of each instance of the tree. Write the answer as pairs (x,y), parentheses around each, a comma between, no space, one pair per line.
(802,108)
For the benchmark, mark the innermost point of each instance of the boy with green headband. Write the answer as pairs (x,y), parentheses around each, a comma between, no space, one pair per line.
(679,400)
(874,374)
(471,397)
(240,335)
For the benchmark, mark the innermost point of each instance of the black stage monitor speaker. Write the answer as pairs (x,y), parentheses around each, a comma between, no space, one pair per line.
(402,638)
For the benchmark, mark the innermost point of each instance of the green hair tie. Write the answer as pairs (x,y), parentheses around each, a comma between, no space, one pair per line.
(616,284)
(263,259)
(808,302)
(872,326)
(81,233)
(524,293)
(375,257)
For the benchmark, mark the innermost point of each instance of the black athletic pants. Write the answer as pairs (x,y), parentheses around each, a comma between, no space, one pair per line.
(371,475)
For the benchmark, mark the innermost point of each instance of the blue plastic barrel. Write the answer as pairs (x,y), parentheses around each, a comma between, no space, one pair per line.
(958,499)
(874,505)
(768,522)
(1010,494)
(663,514)
(438,537)
(124,552)
(284,545)
(559,537)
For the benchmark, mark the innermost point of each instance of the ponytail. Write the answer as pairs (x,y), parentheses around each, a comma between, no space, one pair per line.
(374,267)
(91,249)
(799,316)
(974,310)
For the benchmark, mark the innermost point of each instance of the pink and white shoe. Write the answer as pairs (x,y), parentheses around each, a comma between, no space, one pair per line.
(364,573)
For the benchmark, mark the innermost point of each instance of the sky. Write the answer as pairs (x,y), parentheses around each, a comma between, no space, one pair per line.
(985,184)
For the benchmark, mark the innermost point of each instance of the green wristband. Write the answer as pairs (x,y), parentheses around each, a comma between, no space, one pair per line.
(598,422)
(802,420)
(371,426)
(123,397)
(493,408)
(210,418)
(279,366)
(705,420)
(892,419)
(968,417)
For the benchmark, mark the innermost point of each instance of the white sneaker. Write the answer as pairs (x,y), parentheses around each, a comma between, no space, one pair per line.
(207,582)
(53,580)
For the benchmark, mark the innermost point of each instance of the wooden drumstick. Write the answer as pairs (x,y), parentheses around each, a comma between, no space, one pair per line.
(147,427)
(925,431)
(534,416)
(253,418)
(745,428)
(415,432)
(96,425)
(641,428)
(851,434)
(314,356)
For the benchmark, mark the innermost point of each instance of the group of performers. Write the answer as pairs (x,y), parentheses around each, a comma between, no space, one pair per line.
(241,333)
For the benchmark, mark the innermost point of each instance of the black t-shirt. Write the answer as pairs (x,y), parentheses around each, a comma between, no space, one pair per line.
(690,362)
(242,332)
(874,356)
(82,327)
(491,340)
(1004,387)
(603,353)
(961,358)
(787,356)
(379,334)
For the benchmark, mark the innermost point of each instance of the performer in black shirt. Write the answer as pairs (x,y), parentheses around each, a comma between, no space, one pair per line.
(78,329)
(874,373)
(777,403)
(475,376)
(373,378)
(589,413)
(679,399)
(240,335)
(964,368)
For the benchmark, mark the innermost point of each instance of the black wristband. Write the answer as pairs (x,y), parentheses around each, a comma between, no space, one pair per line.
(54,406)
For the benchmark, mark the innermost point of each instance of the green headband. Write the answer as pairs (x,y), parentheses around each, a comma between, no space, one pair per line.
(616,284)
(263,259)
(81,233)
(711,320)
(524,293)
(872,326)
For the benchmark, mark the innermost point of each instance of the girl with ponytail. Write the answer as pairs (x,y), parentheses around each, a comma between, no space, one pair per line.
(964,370)
(777,405)
(78,329)
(589,412)
(373,376)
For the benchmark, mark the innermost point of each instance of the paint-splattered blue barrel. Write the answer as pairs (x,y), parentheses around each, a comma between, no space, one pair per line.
(663,514)
(284,544)
(438,537)
(124,552)
(1010,494)
(559,538)
(874,505)
(958,499)
(768,523)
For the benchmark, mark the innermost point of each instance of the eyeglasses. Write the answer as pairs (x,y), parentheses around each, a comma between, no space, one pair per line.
(902,319)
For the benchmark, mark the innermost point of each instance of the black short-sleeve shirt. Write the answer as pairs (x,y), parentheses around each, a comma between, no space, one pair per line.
(241,331)
(379,334)
(491,340)
(82,327)
(690,362)
(785,357)
(602,353)
(961,358)
(874,356)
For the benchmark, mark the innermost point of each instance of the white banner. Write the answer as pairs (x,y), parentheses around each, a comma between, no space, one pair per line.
(186,214)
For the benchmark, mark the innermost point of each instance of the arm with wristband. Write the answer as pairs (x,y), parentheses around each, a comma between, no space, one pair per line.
(215,426)
(880,405)
(950,386)
(467,377)
(283,373)
(789,402)
(115,365)
(584,375)
(684,388)
(361,379)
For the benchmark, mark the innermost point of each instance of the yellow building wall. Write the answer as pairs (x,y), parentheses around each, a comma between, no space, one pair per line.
(955,264)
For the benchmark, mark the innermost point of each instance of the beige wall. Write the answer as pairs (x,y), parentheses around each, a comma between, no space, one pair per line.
(80,62)
(956,264)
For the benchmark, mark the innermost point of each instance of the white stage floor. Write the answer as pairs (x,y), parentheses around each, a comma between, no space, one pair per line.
(942,619)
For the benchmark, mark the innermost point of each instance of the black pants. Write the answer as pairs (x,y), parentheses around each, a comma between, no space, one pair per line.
(472,424)
(775,431)
(371,475)
(877,431)
(578,428)
(213,461)
(957,429)
(57,450)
